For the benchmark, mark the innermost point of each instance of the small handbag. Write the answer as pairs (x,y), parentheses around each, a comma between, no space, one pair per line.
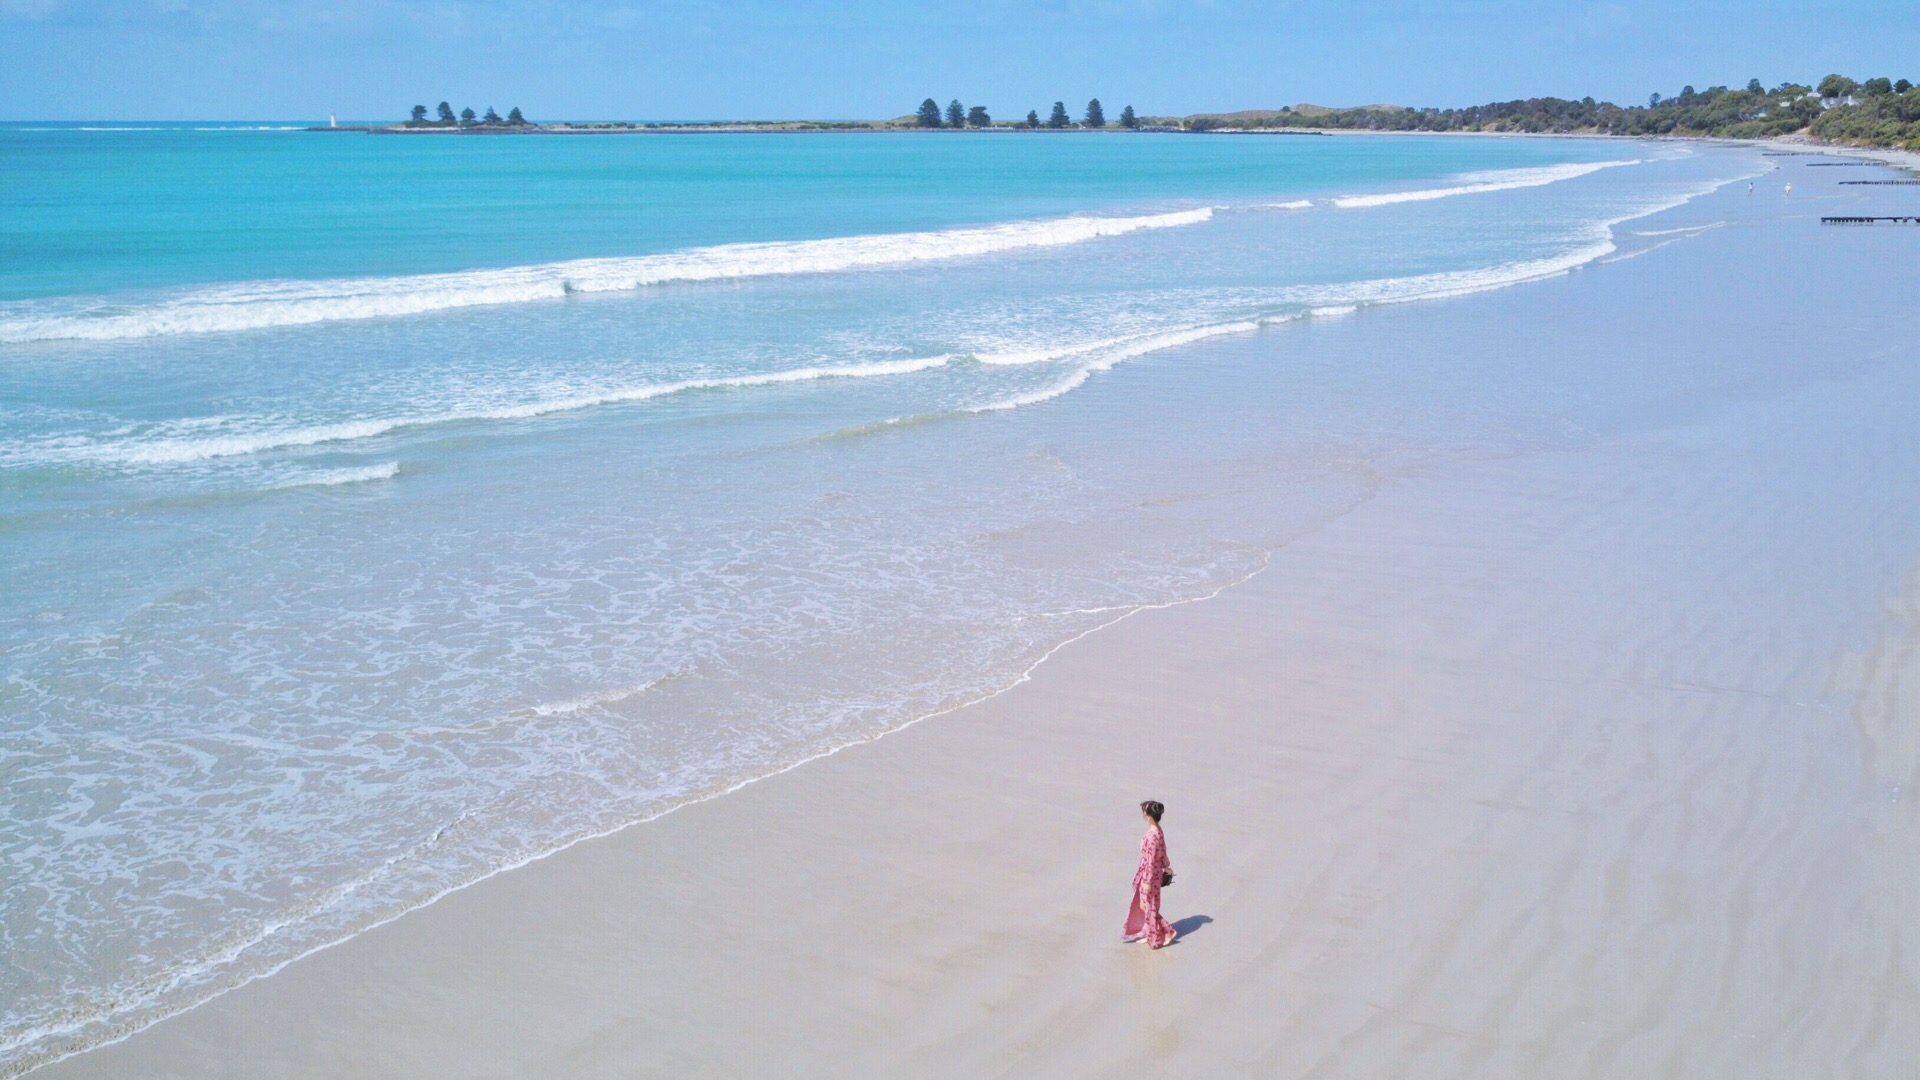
(1166,878)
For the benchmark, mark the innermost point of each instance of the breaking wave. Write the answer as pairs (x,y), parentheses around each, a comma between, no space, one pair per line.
(177,450)
(1084,358)
(262,304)
(1476,183)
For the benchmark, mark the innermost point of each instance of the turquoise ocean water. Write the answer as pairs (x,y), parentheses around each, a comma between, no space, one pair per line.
(378,513)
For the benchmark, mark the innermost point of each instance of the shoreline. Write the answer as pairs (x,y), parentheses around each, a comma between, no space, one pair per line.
(1892,155)
(724,823)
(1501,284)
(532,861)
(1904,159)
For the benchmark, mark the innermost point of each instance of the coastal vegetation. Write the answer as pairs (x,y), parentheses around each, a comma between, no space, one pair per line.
(957,116)
(445,118)
(1876,112)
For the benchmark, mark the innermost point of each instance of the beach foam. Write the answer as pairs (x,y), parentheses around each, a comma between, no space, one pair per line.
(1116,354)
(257,305)
(336,477)
(1331,300)
(189,441)
(174,450)
(1328,302)
(1481,182)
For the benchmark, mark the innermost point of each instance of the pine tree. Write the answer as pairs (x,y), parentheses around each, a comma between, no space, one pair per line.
(1059,117)
(1127,119)
(491,117)
(929,115)
(977,117)
(446,113)
(466,115)
(514,117)
(1095,118)
(1033,119)
(956,116)
(419,114)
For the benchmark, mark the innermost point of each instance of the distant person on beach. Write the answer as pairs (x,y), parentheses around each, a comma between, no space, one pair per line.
(1143,918)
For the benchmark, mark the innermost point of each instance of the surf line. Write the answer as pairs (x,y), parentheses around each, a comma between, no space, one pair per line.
(265,304)
(1479,183)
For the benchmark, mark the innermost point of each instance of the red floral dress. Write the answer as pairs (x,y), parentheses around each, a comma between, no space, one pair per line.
(1143,918)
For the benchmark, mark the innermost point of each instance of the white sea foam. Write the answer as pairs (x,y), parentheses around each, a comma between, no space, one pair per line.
(219,954)
(1044,355)
(1322,301)
(178,450)
(1297,204)
(545,709)
(1124,350)
(1688,229)
(336,477)
(1479,182)
(588,701)
(256,305)
(1329,301)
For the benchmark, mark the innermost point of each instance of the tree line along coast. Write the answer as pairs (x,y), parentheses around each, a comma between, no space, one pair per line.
(956,117)
(446,119)
(1872,112)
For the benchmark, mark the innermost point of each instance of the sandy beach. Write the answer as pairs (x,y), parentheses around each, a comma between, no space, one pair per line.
(1590,754)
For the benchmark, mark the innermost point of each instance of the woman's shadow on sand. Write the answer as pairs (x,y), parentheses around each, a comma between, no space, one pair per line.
(1185,927)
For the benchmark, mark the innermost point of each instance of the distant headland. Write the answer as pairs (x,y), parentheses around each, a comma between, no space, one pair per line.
(1873,112)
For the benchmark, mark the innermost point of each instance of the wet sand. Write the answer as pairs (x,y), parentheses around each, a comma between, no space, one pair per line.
(1595,758)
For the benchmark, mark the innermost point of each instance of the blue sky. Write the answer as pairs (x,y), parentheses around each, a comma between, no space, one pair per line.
(585,59)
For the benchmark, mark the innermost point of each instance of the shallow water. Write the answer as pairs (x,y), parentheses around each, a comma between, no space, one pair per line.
(380,513)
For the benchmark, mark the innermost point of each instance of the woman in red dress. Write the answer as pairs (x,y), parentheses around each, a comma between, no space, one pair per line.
(1143,918)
